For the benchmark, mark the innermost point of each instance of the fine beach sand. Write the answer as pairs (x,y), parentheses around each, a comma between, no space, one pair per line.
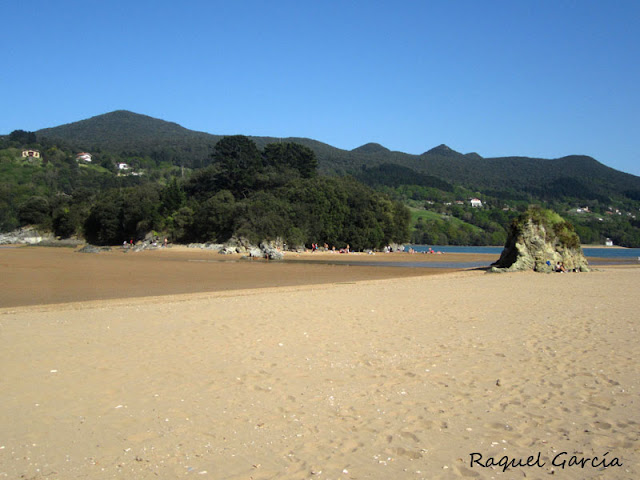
(328,372)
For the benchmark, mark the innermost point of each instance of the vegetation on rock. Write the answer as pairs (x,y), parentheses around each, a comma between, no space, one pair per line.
(539,240)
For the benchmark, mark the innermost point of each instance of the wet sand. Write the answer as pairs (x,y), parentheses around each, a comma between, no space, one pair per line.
(41,275)
(400,378)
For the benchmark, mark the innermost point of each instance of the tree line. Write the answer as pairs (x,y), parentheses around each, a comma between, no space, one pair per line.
(256,194)
(274,191)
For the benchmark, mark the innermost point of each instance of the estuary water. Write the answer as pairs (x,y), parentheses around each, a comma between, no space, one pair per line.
(595,255)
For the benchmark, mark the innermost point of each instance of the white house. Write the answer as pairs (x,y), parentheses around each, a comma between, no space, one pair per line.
(84,157)
(609,242)
(122,166)
(30,153)
(476,202)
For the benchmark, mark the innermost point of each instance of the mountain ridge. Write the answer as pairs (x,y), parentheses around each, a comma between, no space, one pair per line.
(132,133)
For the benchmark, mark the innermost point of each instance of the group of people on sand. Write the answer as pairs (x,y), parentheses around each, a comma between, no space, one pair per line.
(315,248)
(561,268)
(387,249)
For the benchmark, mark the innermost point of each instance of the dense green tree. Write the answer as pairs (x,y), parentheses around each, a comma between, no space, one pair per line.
(65,223)
(22,137)
(213,219)
(291,156)
(104,225)
(239,161)
(204,183)
(140,210)
(263,216)
(180,225)
(35,211)
(172,197)
(8,217)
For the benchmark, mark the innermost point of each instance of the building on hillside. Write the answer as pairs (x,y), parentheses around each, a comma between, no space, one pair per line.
(476,202)
(30,154)
(84,157)
(122,166)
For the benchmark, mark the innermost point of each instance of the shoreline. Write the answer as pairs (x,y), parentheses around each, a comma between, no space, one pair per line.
(50,275)
(34,275)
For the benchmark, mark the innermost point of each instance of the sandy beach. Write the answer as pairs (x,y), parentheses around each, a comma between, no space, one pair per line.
(146,367)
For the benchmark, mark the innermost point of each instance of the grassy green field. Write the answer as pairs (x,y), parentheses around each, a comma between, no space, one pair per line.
(427,215)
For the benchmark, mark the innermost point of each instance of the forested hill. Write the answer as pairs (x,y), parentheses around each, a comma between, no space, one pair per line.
(155,175)
(130,134)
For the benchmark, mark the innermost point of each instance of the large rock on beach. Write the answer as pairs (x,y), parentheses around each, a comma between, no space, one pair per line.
(539,239)
(25,235)
(237,245)
(272,249)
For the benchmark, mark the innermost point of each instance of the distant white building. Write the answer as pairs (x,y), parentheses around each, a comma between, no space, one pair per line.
(476,202)
(30,153)
(609,242)
(83,157)
(122,166)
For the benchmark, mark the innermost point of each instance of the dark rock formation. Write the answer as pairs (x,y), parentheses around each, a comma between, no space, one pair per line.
(538,240)
(93,249)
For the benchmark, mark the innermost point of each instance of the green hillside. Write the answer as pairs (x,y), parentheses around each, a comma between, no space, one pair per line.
(578,177)
(438,183)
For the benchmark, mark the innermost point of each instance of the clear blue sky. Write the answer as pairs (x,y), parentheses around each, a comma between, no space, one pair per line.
(531,78)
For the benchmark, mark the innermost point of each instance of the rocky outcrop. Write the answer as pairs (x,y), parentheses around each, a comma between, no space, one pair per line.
(272,249)
(25,235)
(237,245)
(206,246)
(538,240)
(93,249)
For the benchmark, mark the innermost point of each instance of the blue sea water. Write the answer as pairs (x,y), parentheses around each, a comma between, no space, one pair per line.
(603,252)
(595,255)
(589,252)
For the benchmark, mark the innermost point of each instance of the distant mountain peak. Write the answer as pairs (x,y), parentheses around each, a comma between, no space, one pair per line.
(442,150)
(119,125)
(371,148)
